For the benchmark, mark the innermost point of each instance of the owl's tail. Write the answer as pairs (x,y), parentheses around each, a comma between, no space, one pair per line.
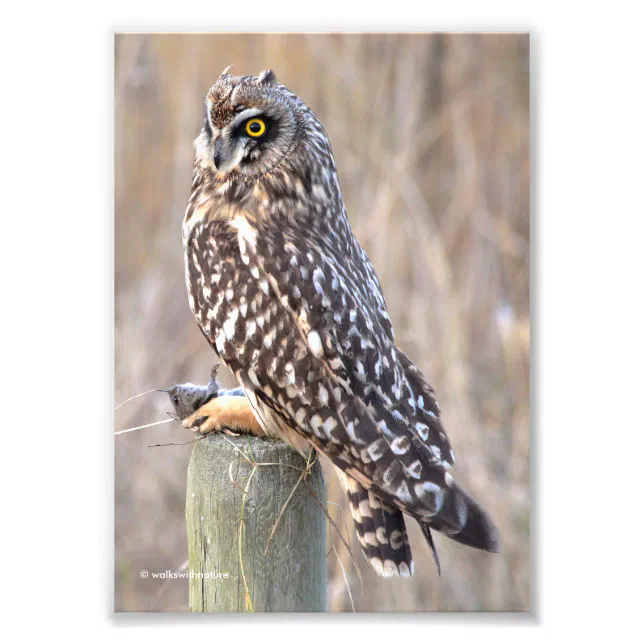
(381,531)
(462,519)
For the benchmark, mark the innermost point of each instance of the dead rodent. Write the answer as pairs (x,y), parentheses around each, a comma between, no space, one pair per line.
(187,398)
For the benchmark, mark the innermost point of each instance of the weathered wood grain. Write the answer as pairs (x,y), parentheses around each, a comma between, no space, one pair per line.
(291,576)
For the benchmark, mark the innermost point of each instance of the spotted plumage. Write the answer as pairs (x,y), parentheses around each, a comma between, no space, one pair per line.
(290,302)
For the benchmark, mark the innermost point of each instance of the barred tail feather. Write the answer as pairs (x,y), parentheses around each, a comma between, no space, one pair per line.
(462,519)
(381,531)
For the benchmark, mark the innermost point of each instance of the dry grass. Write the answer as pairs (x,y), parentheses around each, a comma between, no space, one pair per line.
(431,138)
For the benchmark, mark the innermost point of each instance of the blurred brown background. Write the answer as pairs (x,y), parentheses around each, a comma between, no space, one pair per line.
(431,138)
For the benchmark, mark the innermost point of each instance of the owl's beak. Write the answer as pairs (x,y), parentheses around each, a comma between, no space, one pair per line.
(218,153)
(228,153)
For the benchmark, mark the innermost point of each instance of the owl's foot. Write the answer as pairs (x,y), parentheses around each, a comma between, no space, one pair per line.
(230,414)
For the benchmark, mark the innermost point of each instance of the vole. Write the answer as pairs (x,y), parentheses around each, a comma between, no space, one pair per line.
(212,408)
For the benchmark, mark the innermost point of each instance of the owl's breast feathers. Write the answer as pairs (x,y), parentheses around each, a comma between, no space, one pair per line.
(300,319)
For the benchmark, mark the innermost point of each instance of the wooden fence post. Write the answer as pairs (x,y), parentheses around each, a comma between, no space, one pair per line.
(227,576)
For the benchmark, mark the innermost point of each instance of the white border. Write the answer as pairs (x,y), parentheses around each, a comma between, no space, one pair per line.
(587,318)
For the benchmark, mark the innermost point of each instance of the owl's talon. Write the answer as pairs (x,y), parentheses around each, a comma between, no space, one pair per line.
(209,426)
(229,414)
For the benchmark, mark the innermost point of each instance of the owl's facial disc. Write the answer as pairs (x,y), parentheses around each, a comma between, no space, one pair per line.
(248,130)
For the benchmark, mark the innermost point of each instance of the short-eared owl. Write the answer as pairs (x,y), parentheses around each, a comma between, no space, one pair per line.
(290,302)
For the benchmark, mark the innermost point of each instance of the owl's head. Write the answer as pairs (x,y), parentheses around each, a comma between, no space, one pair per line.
(251,125)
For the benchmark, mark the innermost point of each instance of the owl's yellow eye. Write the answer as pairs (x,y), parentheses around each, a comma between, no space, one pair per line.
(255,128)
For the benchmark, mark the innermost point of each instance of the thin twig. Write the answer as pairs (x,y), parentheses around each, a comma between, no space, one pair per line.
(237,448)
(346,529)
(133,429)
(346,581)
(256,464)
(232,480)
(242,525)
(279,516)
(328,516)
(133,397)
(309,465)
(178,444)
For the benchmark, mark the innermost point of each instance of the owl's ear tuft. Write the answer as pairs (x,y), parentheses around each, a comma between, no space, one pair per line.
(225,73)
(266,76)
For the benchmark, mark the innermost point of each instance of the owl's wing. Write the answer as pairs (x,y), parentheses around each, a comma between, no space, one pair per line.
(336,372)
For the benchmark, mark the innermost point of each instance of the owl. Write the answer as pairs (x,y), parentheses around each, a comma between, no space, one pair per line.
(290,302)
